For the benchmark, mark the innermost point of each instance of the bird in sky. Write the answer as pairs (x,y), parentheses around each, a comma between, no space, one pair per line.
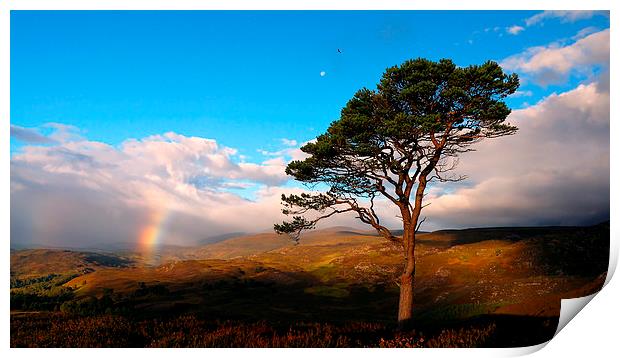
(339,51)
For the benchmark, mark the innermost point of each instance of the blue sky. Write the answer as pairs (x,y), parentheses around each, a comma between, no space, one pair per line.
(246,78)
(123,121)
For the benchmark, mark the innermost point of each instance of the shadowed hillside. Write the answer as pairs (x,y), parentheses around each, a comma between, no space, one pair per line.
(37,262)
(484,283)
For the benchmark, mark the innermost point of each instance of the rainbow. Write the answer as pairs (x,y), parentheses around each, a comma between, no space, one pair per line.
(151,234)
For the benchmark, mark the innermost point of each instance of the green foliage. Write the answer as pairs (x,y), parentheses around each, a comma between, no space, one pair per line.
(412,101)
(40,293)
(294,228)
(33,302)
(47,293)
(42,284)
(17,283)
(421,114)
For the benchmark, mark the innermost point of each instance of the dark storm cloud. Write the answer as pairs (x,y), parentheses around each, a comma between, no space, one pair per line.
(553,171)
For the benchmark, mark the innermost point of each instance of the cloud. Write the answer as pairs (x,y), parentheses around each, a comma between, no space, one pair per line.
(514,30)
(554,63)
(564,16)
(64,132)
(522,94)
(60,133)
(585,32)
(86,192)
(293,151)
(553,171)
(29,135)
(289,142)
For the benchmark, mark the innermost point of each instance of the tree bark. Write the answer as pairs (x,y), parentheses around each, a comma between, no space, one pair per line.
(405,304)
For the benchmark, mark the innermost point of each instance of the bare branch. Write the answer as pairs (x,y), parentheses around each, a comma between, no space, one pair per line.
(420,224)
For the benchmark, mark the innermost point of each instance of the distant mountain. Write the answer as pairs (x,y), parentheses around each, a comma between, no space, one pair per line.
(240,244)
(221,237)
(252,244)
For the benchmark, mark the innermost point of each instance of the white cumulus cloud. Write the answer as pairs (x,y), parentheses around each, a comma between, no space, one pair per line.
(553,171)
(554,63)
(81,192)
(564,16)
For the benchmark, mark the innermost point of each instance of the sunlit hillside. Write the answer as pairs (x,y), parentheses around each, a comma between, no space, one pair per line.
(500,278)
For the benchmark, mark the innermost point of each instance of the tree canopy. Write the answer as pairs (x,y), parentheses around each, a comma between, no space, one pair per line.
(410,129)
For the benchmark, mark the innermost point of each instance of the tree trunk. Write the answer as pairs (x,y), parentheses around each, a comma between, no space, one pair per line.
(405,304)
(410,222)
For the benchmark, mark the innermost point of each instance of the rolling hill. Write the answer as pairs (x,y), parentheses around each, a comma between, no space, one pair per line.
(39,262)
(245,245)
(343,275)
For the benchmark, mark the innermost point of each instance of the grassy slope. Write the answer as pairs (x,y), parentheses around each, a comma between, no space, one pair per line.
(509,279)
(522,272)
(41,262)
(245,245)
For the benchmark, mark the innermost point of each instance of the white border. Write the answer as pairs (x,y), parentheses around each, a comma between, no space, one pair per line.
(307,5)
(593,329)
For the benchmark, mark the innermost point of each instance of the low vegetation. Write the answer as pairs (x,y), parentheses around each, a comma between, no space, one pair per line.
(58,330)
(333,290)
